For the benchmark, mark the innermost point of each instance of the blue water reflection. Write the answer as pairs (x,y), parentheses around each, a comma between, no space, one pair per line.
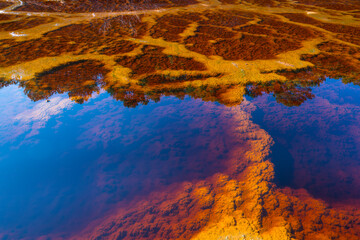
(64,164)
(317,145)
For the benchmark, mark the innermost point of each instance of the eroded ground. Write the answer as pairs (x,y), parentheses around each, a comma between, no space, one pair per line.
(213,50)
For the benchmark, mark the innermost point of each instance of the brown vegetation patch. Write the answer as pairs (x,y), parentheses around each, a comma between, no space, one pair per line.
(226,18)
(79,79)
(99,5)
(4,17)
(5,4)
(288,29)
(153,59)
(248,47)
(168,33)
(169,27)
(174,3)
(279,37)
(33,49)
(193,17)
(257,29)
(130,26)
(344,5)
(331,27)
(77,39)
(34,6)
(339,48)
(337,28)
(333,65)
(336,60)
(301,18)
(265,3)
(25,23)
(84,6)
(347,33)
(254,47)
(229,1)
(215,32)
(118,47)
(349,38)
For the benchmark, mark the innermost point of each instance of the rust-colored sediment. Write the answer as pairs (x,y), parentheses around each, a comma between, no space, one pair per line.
(216,51)
(240,202)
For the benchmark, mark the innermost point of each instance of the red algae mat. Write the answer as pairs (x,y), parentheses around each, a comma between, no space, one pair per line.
(209,171)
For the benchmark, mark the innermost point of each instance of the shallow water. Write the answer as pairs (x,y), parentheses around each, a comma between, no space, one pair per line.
(65,165)
(179,119)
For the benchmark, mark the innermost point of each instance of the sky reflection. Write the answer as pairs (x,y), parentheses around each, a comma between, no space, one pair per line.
(322,137)
(64,165)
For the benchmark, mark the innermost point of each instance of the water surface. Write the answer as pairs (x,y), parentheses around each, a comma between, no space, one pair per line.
(65,165)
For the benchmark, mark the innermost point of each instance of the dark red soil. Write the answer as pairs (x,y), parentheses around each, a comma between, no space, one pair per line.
(153,59)
(99,5)
(169,27)
(102,35)
(122,46)
(4,4)
(345,32)
(276,37)
(345,5)
(247,47)
(25,23)
(4,17)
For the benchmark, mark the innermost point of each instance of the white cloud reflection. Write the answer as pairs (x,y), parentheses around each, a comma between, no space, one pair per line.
(42,111)
(36,118)
(19,115)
